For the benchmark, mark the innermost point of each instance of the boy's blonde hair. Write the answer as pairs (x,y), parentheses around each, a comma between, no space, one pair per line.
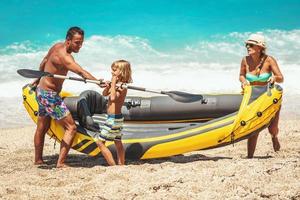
(125,69)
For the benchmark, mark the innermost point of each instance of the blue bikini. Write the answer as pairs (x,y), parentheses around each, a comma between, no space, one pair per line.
(264,77)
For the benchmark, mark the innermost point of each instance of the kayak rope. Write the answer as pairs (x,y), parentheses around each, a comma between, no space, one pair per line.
(55,140)
(243,123)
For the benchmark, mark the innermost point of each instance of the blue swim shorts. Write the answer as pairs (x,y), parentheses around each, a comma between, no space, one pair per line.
(112,128)
(51,104)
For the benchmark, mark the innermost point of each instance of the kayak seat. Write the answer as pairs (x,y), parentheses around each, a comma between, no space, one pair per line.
(84,106)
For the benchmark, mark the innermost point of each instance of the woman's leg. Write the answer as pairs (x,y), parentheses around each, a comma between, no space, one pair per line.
(274,130)
(120,152)
(106,153)
(251,145)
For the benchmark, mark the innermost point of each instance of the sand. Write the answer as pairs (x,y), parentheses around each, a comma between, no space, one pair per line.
(222,173)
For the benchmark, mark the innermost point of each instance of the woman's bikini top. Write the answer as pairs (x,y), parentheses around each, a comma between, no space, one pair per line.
(264,77)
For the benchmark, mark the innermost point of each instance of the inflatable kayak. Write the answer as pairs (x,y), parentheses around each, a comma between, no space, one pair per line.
(160,126)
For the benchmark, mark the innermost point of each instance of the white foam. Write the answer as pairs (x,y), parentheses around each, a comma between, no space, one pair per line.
(203,67)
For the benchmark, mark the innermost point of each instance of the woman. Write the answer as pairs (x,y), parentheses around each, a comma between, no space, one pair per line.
(258,68)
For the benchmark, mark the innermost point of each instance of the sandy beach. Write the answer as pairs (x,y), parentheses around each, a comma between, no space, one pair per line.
(222,173)
(193,47)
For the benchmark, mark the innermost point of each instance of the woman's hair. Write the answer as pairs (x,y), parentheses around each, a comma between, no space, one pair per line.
(125,69)
(263,56)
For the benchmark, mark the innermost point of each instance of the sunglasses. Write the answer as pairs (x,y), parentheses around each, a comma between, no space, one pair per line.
(249,45)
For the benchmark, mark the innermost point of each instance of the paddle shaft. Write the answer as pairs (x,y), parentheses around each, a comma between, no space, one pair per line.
(75,79)
(140,88)
(176,95)
(122,85)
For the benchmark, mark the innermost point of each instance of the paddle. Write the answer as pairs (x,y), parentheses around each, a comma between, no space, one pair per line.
(176,95)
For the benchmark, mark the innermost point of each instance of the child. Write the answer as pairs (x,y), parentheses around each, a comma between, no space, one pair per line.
(121,73)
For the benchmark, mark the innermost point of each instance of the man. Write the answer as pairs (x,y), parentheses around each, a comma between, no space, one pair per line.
(58,61)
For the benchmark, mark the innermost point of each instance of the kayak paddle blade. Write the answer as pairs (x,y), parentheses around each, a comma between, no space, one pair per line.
(183,96)
(29,73)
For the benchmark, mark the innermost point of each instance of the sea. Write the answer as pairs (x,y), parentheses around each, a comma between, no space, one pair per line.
(193,47)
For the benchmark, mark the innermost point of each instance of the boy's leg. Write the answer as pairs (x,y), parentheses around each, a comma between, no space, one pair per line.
(70,131)
(106,153)
(120,152)
(43,124)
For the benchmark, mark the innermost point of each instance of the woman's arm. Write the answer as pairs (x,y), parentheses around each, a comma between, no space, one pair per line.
(277,75)
(243,72)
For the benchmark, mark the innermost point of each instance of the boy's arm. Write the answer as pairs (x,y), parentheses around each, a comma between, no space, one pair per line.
(116,93)
(105,92)
(113,92)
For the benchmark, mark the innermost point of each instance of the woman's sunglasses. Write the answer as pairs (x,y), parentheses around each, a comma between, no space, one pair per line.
(249,45)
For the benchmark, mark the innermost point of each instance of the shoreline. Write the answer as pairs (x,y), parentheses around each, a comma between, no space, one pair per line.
(222,173)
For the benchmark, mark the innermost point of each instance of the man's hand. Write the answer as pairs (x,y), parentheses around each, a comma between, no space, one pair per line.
(35,82)
(104,84)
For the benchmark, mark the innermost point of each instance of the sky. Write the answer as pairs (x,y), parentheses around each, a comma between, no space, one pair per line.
(166,24)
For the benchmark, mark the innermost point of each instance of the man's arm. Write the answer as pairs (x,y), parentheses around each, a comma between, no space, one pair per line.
(43,63)
(71,65)
(41,68)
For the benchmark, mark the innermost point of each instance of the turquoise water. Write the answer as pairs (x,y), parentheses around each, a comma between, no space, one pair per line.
(167,24)
(190,46)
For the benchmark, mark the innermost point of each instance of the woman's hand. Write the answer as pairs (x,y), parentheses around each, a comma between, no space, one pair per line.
(244,84)
(272,79)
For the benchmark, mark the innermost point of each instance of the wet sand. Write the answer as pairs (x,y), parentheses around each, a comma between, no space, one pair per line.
(222,173)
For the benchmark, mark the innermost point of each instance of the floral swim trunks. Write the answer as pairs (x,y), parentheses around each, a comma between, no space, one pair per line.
(51,104)
(112,128)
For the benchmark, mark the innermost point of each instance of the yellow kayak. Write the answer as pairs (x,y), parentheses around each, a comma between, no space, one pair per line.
(167,128)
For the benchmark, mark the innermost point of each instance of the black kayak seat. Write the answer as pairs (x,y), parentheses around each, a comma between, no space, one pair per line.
(84,106)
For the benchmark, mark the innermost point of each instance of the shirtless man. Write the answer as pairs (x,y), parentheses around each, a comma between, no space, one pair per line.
(58,61)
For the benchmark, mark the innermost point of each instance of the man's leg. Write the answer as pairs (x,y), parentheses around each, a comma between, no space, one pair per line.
(43,124)
(70,131)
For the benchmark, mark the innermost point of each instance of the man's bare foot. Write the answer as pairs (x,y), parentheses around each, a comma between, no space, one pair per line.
(39,162)
(276,144)
(63,165)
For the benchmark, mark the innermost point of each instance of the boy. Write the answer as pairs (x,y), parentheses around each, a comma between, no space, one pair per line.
(121,73)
